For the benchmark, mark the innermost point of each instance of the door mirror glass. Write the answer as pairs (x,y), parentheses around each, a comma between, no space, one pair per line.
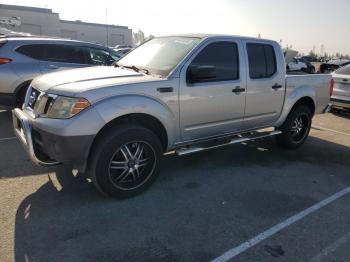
(201,73)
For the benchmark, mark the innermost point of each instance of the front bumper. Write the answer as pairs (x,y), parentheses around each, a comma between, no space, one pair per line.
(46,148)
(23,131)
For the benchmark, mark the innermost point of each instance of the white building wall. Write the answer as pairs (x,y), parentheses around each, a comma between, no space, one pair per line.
(96,32)
(42,21)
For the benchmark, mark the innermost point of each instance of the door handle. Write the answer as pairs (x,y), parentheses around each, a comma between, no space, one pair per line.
(276,86)
(238,90)
(165,89)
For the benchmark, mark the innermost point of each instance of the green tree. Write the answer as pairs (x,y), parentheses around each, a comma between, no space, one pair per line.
(313,55)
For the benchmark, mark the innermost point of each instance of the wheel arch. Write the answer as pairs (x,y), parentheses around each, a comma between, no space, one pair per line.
(145,120)
(307,101)
(19,89)
(290,104)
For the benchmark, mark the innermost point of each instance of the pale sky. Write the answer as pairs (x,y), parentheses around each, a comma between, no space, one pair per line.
(300,23)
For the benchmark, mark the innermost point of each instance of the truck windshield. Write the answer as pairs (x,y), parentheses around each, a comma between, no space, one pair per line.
(159,56)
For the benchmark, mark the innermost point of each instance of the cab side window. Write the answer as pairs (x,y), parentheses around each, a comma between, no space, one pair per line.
(262,61)
(221,55)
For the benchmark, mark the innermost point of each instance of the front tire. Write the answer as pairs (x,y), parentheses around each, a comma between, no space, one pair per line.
(296,128)
(20,96)
(125,161)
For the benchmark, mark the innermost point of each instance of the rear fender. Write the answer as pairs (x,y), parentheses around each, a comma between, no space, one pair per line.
(292,97)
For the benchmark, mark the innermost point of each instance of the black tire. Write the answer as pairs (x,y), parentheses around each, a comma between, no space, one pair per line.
(294,135)
(20,96)
(125,178)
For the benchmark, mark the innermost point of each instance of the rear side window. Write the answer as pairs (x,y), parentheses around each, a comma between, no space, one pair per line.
(222,55)
(32,51)
(262,60)
(55,53)
(343,70)
(65,54)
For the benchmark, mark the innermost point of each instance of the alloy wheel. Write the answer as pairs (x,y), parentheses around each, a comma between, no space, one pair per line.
(131,165)
(300,127)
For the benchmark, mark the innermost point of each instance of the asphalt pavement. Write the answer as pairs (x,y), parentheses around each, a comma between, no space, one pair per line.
(233,203)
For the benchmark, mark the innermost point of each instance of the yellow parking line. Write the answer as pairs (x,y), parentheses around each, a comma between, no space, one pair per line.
(330,130)
(7,138)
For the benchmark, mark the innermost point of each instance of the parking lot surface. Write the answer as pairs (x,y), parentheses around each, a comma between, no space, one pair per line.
(202,206)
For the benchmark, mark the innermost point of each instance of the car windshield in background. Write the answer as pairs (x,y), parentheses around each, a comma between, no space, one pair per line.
(343,70)
(160,55)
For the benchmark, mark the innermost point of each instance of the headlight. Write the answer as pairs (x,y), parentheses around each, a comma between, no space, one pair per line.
(66,107)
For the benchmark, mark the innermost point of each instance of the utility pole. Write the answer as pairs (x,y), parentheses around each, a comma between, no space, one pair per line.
(106,28)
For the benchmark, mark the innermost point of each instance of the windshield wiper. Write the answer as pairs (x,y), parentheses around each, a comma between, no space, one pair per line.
(137,69)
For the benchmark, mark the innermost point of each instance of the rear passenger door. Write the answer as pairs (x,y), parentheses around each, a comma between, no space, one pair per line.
(265,84)
(62,56)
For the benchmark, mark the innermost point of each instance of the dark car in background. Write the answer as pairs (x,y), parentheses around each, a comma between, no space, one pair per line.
(23,58)
(333,65)
(121,52)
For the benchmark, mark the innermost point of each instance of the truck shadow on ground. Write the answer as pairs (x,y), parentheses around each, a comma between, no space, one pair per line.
(6,124)
(66,219)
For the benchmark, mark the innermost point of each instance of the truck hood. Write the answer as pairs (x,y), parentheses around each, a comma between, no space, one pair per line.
(73,81)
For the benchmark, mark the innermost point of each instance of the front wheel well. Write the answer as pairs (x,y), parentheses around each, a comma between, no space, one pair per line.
(307,101)
(144,120)
(20,92)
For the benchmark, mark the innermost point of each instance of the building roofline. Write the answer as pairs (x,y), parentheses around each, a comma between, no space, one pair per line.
(78,22)
(27,8)
(49,11)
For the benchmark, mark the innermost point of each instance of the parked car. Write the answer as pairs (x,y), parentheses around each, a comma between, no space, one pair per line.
(341,90)
(308,59)
(298,65)
(23,58)
(122,46)
(333,65)
(191,93)
(121,52)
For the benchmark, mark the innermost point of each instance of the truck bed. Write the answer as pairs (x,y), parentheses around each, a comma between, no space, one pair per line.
(318,83)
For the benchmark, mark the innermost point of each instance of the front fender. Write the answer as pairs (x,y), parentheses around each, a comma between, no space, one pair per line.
(114,107)
(292,97)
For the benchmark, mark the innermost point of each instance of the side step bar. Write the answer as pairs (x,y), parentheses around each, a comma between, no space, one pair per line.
(237,139)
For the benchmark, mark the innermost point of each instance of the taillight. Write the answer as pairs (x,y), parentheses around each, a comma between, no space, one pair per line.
(4,60)
(331,86)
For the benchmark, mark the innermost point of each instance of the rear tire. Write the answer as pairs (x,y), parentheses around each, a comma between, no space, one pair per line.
(296,128)
(125,161)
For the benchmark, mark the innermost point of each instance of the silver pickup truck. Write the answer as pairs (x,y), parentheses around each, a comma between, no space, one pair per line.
(174,94)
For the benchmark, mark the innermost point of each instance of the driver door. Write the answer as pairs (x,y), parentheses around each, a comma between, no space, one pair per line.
(211,107)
